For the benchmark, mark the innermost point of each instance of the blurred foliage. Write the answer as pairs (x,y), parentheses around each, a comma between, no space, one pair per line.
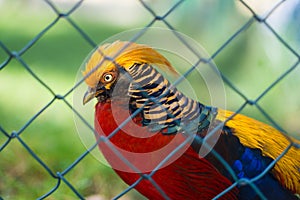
(251,62)
(55,58)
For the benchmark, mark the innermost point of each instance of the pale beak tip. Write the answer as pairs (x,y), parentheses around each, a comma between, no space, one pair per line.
(88,96)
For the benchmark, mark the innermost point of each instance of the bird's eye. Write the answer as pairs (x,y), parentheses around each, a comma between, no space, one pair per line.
(108,78)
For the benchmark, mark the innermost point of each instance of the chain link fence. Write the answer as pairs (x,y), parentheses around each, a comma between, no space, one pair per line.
(60,176)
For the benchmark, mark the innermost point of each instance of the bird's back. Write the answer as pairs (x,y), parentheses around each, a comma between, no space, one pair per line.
(271,143)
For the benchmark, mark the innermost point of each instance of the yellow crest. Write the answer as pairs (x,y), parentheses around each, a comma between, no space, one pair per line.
(124,54)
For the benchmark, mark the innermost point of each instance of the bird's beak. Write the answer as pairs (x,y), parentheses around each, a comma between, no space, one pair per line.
(89,95)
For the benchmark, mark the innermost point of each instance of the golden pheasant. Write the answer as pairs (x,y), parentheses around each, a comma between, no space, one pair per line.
(127,86)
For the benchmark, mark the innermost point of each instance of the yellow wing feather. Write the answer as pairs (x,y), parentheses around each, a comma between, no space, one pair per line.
(125,54)
(255,134)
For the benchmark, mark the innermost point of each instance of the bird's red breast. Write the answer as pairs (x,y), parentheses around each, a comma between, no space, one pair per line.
(186,177)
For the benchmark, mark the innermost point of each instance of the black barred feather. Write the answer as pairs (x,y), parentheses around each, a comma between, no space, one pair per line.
(163,105)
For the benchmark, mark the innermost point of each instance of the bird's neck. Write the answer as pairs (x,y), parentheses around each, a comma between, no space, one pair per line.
(162,105)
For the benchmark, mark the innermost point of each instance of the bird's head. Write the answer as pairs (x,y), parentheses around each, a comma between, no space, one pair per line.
(105,66)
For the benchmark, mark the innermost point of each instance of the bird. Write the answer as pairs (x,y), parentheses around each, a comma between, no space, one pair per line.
(141,118)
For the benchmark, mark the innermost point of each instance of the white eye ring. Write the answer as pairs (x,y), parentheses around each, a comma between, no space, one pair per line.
(108,77)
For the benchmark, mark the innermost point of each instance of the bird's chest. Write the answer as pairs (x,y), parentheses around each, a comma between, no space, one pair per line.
(132,149)
(126,131)
(131,141)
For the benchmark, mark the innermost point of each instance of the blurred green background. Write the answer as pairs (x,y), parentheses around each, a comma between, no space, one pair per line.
(252,61)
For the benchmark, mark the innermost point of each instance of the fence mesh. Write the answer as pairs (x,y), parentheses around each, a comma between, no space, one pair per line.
(12,55)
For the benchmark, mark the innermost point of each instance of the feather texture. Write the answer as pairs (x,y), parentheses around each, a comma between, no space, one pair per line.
(188,177)
(163,105)
(124,54)
(272,143)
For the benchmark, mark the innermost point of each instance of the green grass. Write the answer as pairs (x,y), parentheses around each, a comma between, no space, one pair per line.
(52,136)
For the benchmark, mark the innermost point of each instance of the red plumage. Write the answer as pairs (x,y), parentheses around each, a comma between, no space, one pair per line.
(185,178)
